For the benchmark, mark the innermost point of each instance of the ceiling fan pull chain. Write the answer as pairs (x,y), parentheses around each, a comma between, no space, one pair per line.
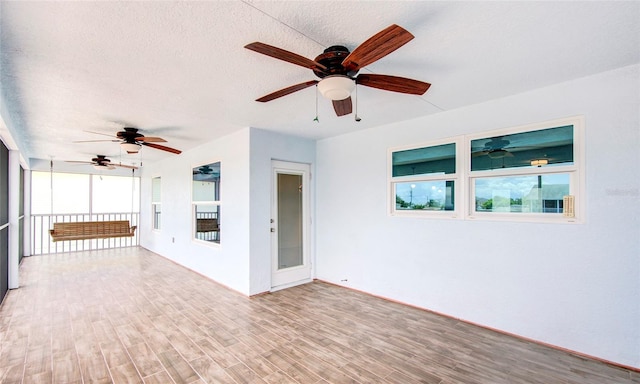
(316,119)
(356,117)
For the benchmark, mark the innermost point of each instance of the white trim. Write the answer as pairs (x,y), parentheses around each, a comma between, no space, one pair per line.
(575,170)
(455,177)
(289,285)
(195,203)
(307,268)
(463,178)
(194,239)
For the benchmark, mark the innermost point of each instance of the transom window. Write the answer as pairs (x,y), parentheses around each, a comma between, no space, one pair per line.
(548,147)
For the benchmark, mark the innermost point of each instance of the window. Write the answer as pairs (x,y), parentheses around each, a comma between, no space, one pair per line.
(155,202)
(530,173)
(525,173)
(71,193)
(115,194)
(424,179)
(206,202)
(84,194)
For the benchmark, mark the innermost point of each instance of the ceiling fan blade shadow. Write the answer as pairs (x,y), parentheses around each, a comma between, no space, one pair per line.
(162,147)
(393,83)
(99,133)
(377,47)
(287,91)
(96,141)
(343,107)
(281,54)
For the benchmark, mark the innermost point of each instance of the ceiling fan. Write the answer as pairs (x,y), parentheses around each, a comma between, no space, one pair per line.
(100,162)
(204,170)
(131,141)
(337,68)
(495,148)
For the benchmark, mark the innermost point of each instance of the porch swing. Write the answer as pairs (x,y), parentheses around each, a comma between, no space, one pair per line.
(89,230)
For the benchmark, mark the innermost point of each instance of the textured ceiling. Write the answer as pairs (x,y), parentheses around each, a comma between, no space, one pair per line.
(179,70)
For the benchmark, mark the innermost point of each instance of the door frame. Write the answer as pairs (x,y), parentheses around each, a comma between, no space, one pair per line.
(296,275)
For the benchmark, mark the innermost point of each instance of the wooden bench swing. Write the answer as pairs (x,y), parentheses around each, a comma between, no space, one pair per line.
(87,230)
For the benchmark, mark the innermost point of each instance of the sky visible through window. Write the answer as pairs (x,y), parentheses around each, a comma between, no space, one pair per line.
(111,194)
(518,186)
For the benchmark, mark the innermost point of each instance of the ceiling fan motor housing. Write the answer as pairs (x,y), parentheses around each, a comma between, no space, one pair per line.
(101,160)
(129,134)
(332,58)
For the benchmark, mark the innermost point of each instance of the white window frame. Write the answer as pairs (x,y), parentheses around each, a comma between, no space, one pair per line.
(455,177)
(212,203)
(155,205)
(575,172)
(464,178)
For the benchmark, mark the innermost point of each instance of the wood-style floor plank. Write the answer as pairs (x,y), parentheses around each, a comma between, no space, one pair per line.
(131,316)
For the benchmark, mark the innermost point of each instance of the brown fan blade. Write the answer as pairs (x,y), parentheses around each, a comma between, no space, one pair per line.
(393,83)
(286,91)
(151,139)
(481,153)
(162,148)
(123,166)
(78,162)
(96,141)
(377,47)
(281,54)
(342,107)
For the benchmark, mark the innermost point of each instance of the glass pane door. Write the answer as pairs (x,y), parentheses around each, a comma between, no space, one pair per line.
(290,214)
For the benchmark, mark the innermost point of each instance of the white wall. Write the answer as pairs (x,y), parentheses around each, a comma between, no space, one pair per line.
(243,259)
(227,263)
(573,286)
(267,146)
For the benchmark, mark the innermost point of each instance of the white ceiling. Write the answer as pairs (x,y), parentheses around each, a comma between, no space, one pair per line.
(179,70)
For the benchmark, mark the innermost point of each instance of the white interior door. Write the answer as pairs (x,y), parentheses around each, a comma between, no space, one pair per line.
(291,264)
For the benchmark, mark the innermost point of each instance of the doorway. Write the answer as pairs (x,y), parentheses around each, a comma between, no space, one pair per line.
(290,219)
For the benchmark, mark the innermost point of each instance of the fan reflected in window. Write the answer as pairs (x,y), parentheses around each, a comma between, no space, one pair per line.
(206,202)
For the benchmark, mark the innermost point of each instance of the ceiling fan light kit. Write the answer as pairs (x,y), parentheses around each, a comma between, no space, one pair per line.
(539,162)
(336,87)
(497,153)
(101,167)
(130,147)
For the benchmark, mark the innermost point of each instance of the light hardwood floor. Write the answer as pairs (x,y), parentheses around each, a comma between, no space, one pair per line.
(130,316)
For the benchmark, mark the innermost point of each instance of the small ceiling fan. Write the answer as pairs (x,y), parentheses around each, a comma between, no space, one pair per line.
(337,68)
(496,148)
(204,170)
(131,141)
(100,162)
